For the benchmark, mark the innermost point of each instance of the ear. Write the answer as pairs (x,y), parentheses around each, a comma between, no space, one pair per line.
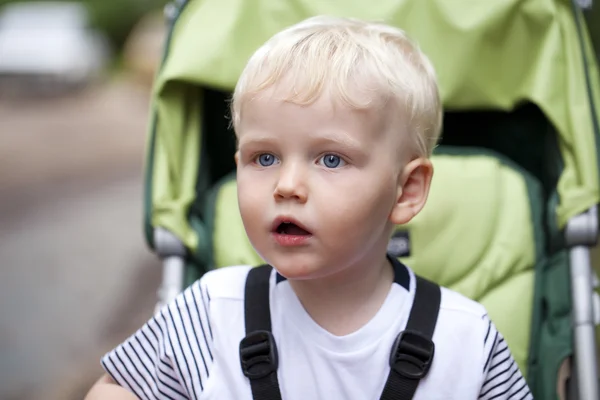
(413,189)
(237,158)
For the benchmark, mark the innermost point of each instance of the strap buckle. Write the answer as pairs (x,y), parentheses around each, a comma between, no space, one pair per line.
(412,354)
(258,355)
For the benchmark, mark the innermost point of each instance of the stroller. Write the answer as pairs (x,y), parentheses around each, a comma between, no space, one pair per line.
(512,211)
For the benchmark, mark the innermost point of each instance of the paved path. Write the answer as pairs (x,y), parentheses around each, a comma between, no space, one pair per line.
(76,277)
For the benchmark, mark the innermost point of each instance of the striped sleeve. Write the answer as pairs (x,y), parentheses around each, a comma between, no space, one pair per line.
(502,377)
(170,357)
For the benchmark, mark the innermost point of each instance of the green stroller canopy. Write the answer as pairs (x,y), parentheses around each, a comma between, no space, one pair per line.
(491,55)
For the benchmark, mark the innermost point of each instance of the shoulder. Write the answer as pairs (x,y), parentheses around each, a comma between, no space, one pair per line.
(461,317)
(462,320)
(459,305)
(456,309)
(460,340)
(470,346)
(155,361)
(224,283)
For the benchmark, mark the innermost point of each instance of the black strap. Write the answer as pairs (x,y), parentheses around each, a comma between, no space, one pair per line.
(258,351)
(413,349)
(410,358)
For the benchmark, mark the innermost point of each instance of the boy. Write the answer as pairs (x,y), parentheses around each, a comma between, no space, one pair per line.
(335,121)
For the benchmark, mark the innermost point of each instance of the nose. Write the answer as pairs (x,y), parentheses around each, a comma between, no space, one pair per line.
(291,183)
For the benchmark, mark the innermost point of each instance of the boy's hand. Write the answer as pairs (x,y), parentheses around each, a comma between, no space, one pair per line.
(107,388)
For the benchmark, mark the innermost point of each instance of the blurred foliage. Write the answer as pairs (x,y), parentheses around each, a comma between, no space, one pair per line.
(115,18)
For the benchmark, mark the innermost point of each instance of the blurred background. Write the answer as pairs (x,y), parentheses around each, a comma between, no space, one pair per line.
(75,275)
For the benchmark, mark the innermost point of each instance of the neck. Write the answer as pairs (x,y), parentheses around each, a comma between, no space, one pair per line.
(344,302)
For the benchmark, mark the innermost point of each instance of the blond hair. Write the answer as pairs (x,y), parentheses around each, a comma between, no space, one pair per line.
(349,58)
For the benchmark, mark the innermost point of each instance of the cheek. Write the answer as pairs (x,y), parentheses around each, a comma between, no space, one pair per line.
(360,199)
(249,200)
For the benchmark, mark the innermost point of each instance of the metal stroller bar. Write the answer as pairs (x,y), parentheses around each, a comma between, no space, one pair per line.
(581,234)
(172,253)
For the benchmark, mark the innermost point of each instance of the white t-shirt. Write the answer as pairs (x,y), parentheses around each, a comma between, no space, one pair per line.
(190,349)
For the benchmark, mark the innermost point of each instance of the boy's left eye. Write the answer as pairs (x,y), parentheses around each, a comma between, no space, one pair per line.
(332,161)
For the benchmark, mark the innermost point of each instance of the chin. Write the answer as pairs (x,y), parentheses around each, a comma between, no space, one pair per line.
(296,266)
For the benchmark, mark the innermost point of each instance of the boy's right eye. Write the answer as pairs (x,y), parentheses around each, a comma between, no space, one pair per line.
(266,160)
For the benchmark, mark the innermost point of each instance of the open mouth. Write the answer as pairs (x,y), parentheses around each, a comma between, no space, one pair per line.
(291,228)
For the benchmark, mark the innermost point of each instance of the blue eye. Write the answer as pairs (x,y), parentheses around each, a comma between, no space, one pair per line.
(332,161)
(266,159)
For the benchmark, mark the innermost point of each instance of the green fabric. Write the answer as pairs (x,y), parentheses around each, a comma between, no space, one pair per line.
(230,244)
(176,160)
(484,245)
(494,54)
(554,336)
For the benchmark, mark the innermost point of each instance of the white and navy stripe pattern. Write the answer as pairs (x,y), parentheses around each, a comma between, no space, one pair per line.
(503,380)
(171,356)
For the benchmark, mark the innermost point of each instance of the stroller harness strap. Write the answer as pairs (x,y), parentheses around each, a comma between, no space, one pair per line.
(258,352)
(410,358)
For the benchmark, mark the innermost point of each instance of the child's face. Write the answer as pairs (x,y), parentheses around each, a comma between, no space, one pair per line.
(336,174)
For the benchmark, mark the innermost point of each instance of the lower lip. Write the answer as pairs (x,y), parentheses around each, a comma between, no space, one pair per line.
(291,240)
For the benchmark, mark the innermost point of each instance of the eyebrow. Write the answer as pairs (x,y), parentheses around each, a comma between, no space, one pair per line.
(334,138)
(258,140)
(337,138)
